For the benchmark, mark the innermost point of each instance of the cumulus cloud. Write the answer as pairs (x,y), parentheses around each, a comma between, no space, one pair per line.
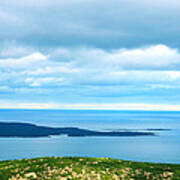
(67,60)
(86,74)
(154,64)
(158,57)
(23,62)
(88,51)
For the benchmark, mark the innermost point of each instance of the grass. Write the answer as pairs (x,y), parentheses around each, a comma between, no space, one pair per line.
(64,168)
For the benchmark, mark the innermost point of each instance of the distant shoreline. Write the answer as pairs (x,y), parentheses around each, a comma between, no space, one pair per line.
(8,129)
(148,129)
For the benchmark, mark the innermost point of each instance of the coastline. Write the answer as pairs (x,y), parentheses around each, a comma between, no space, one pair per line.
(32,130)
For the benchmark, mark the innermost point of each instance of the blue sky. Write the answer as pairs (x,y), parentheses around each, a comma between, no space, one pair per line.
(90,54)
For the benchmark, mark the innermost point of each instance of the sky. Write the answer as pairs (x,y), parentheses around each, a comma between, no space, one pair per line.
(89,54)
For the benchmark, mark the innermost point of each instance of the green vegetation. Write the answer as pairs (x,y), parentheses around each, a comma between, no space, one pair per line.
(65,168)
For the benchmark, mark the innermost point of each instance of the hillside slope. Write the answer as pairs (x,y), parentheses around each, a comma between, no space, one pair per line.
(64,168)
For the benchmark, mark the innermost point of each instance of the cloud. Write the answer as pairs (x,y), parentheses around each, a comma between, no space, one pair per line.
(81,52)
(23,62)
(36,82)
(101,24)
(158,57)
(85,74)
(155,57)
(92,66)
(12,50)
(68,60)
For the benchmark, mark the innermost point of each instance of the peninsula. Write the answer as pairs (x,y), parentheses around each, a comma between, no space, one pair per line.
(31,130)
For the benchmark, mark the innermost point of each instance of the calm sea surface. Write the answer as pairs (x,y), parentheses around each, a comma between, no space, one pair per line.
(165,147)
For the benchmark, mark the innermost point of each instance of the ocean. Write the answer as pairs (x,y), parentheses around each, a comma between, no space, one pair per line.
(164,147)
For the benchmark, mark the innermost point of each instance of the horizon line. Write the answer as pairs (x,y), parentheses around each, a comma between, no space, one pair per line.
(118,107)
(45,109)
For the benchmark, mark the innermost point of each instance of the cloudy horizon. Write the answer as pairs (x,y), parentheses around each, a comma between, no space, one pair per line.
(90,55)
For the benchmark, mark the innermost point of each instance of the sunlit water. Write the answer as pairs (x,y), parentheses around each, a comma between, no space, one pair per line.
(164,147)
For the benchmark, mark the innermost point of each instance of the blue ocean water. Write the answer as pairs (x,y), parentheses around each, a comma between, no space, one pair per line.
(164,147)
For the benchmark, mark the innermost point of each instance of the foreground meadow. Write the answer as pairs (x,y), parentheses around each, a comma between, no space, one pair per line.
(65,168)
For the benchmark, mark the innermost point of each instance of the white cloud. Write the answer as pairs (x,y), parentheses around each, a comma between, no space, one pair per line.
(23,62)
(48,70)
(85,60)
(13,50)
(154,57)
(156,66)
(158,57)
(92,48)
(35,82)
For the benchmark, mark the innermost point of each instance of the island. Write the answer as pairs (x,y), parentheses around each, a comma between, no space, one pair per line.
(12,129)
